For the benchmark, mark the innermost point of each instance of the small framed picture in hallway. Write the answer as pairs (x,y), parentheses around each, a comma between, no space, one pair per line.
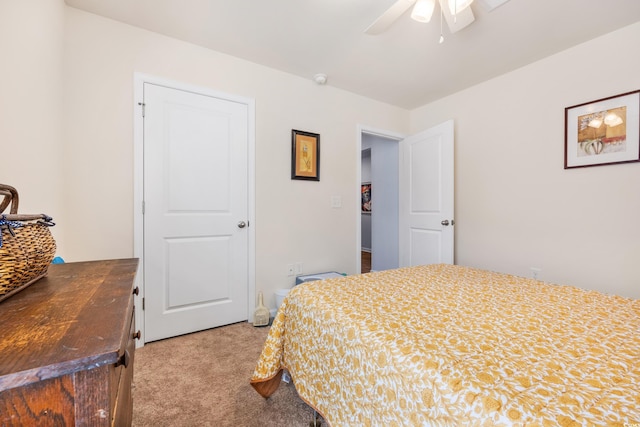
(366,197)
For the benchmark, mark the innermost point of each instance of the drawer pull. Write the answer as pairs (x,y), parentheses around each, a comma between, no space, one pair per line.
(136,291)
(124,359)
(137,335)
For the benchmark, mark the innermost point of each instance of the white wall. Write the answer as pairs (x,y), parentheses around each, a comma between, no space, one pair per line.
(516,207)
(294,219)
(31,47)
(67,103)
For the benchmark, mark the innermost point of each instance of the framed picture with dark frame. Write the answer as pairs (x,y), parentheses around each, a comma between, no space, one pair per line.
(603,132)
(305,155)
(366,197)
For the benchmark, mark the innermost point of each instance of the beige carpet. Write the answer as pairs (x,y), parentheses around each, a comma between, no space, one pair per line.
(202,379)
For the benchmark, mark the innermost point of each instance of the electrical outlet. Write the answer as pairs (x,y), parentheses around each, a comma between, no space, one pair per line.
(291,270)
(298,268)
(535,272)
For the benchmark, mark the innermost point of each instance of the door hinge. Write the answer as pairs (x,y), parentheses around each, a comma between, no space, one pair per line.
(143,207)
(143,303)
(142,104)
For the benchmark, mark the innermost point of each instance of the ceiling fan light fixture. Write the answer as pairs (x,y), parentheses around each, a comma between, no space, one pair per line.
(423,10)
(456,6)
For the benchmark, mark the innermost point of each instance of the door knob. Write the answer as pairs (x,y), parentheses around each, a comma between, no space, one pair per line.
(242,224)
(444,222)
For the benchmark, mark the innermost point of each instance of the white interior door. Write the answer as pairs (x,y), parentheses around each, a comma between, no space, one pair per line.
(196,211)
(426,197)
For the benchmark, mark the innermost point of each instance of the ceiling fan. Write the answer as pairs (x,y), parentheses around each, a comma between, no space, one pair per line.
(457,13)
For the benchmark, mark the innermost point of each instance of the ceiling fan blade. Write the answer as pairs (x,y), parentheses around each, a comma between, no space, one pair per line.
(385,20)
(462,19)
(492,4)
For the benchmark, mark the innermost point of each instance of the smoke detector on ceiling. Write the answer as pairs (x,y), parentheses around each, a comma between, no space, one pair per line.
(320,78)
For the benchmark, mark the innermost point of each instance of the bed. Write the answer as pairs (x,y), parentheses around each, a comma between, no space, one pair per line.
(445,345)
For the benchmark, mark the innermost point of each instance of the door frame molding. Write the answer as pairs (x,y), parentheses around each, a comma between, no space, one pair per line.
(363,129)
(139,79)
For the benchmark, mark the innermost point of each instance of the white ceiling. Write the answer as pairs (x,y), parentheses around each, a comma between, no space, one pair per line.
(405,66)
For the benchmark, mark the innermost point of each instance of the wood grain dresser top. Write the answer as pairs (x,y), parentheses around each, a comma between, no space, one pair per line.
(66,322)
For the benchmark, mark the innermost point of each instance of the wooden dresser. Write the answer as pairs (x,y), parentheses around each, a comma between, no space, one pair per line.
(66,347)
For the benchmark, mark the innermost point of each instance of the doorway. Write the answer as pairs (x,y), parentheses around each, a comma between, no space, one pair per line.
(365,218)
(420,189)
(379,172)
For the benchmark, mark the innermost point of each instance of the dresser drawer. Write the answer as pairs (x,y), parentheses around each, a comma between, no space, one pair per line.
(122,403)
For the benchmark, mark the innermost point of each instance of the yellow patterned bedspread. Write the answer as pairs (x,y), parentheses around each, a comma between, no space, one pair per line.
(448,345)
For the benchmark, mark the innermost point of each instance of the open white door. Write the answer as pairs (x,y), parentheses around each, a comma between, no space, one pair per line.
(196,211)
(426,197)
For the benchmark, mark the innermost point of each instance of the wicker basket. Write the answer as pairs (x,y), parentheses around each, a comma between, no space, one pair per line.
(27,246)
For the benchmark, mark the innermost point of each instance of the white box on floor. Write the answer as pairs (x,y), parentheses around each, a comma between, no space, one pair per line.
(317,276)
(280,294)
